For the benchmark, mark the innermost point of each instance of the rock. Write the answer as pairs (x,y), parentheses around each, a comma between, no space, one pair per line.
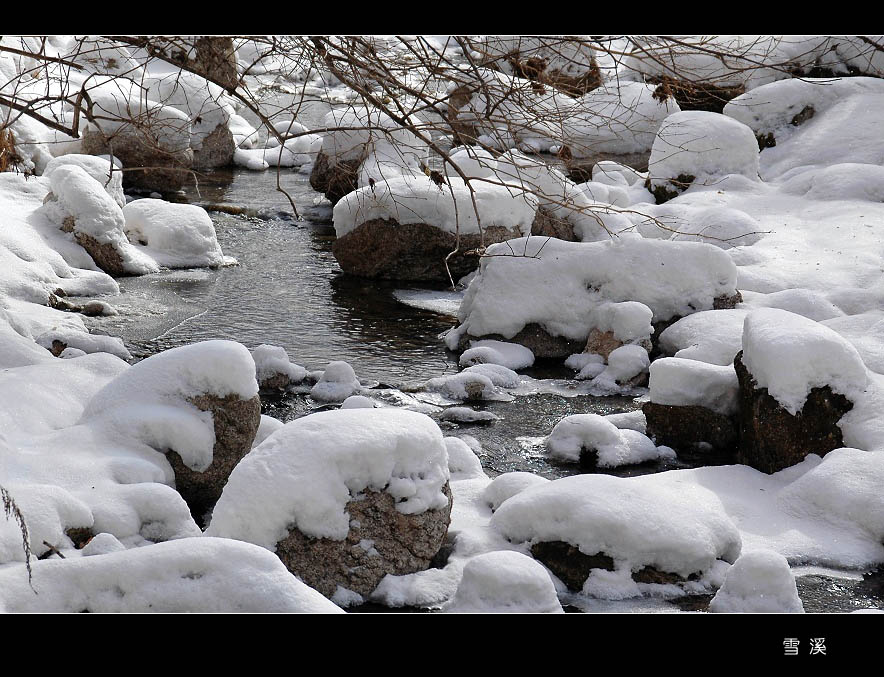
(601,342)
(335,181)
(146,164)
(62,303)
(105,255)
(236,423)
(772,439)
(216,149)
(695,95)
(579,170)
(385,249)
(465,133)
(381,541)
(547,224)
(689,427)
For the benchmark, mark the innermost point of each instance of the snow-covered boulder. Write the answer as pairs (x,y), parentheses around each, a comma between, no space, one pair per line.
(99,168)
(191,575)
(80,205)
(510,355)
(507,485)
(463,463)
(593,441)
(648,531)
(698,148)
(797,379)
(338,382)
(618,324)
(405,227)
(274,370)
(198,403)
(175,235)
(504,582)
(692,405)
(343,497)
(760,581)
(544,296)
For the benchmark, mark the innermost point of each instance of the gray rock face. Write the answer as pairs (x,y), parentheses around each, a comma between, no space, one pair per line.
(105,255)
(216,149)
(689,427)
(772,439)
(334,181)
(146,165)
(381,541)
(547,224)
(236,422)
(385,249)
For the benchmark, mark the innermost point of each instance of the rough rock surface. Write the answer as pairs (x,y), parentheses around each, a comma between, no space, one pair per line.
(216,149)
(105,255)
(275,383)
(236,422)
(146,165)
(382,248)
(688,426)
(772,439)
(548,225)
(381,541)
(334,181)
(695,95)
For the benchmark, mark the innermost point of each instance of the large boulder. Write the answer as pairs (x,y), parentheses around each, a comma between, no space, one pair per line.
(344,497)
(334,180)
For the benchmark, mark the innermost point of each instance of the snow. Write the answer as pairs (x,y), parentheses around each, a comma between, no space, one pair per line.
(507,485)
(95,213)
(358,402)
(417,199)
(273,360)
(338,382)
(629,321)
(760,581)
(510,355)
(614,447)
(206,575)
(88,343)
(463,464)
(266,428)
(707,146)
(675,527)
(175,235)
(504,582)
(306,472)
(467,415)
(681,382)
(99,168)
(789,355)
(557,284)
(352,131)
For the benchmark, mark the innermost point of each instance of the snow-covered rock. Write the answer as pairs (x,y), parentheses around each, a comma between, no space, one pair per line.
(510,355)
(274,370)
(592,440)
(760,581)
(338,382)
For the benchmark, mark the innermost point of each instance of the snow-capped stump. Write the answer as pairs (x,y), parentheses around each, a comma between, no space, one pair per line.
(509,484)
(198,403)
(617,324)
(175,235)
(186,575)
(344,497)
(504,581)
(274,370)
(80,205)
(760,581)
(156,151)
(338,382)
(797,379)
(544,298)
(510,355)
(693,404)
(99,168)
(699,148)
(655,533)
(406,226)
(593,441)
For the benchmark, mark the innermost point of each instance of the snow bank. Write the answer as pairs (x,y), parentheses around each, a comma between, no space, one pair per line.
(678,527)
(203,575)
(557,284)
(174,235)
(705,146)
(760,581)
(682,382)
(306,472)
(593,433)
(504,582)
(789,355)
